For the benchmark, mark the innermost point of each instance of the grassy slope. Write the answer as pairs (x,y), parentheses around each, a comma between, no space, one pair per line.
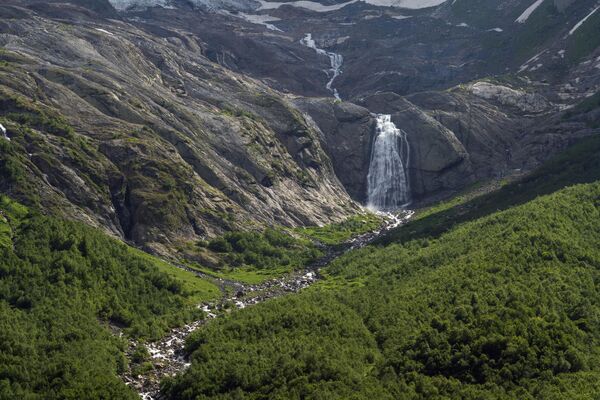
(60,282)
(584,40)
(252,257)
(197,290)
(503,305)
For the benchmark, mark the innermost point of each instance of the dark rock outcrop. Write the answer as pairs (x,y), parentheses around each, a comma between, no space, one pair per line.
(347,137)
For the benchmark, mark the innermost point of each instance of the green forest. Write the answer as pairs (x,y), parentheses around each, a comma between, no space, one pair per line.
(496,298)
(502,307)
(64,291)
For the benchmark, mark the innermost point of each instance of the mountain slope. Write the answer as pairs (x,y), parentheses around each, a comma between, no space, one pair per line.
(156,144)
(182,127)
(578,164)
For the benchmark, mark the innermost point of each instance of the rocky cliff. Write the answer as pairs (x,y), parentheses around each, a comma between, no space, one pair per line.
(139,133)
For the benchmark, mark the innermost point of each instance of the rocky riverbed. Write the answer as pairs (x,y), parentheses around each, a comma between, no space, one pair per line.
(167,355)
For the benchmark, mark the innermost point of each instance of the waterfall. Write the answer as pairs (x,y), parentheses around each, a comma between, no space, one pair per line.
(335,60)
(336,65)
(387,182)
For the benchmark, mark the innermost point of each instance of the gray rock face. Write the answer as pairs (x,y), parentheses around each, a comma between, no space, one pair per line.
(347,137)
(506,96)
(456,137)
(166,147)
(487,133)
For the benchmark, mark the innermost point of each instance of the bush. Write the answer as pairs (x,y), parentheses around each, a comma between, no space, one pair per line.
(270,250)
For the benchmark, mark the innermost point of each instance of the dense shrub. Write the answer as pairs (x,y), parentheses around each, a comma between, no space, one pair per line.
(502,307)
(269,250)
(60,282)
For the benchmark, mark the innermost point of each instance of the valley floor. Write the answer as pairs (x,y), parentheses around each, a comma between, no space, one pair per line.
(167,357)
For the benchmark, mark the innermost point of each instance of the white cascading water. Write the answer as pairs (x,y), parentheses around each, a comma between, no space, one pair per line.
(387,182)
(3,130)
(335,60)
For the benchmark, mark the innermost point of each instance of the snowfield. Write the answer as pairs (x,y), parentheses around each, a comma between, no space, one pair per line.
(260,20)
(242,5)
(412,4)
(523,17)
(309,5)
(578,25)
(247,5)
(124,4)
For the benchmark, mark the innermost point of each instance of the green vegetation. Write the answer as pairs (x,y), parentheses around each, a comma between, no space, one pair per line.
(61,284)
(338,233)
(541,25)
(14,178)
(232,111)
(585,106)
(502,307)
(24,112)
(285,349)
(497,305)
(54,143)
(253,257)
(197,290)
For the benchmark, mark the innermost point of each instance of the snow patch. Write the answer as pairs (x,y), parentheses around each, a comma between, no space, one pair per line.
(523,17)
(318,7)
(242,5)
(536,67)
(309,5)
(125,4)
(256,5)
(578,25)
(411,4)
(525,66)
(263,20)
(104,31)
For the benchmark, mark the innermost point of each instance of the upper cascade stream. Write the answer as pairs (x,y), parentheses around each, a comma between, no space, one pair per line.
(335,59)
(388,186)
